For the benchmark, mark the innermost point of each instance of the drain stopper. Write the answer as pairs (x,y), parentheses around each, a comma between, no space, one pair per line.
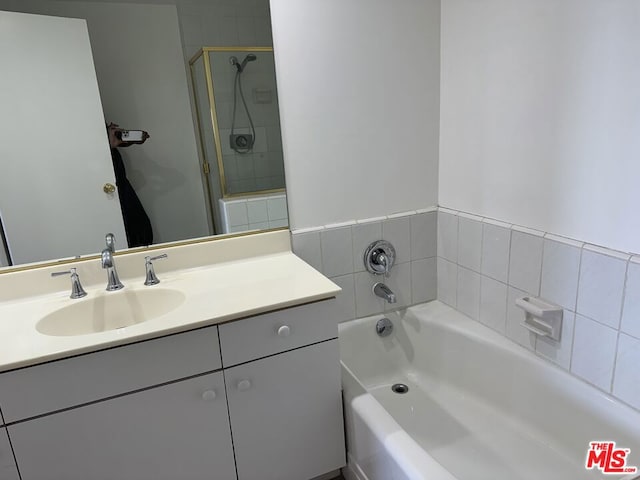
(399,388)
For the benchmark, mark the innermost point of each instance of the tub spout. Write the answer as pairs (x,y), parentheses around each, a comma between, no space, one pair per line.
(382,291)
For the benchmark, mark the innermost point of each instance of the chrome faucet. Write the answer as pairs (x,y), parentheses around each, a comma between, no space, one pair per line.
(151,278)
(113,282)
(382,291)
(76,288)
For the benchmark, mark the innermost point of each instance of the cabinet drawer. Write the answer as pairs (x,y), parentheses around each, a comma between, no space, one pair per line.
(276,332)
(64,383)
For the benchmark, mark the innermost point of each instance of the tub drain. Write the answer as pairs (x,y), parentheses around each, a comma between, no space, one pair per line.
(400,388)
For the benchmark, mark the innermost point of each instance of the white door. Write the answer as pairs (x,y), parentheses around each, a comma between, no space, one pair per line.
(286,414)
(178,431)
(54,152)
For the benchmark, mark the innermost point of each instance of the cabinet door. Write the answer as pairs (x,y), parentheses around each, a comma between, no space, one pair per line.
(177,431)
(8,469)
(286,414)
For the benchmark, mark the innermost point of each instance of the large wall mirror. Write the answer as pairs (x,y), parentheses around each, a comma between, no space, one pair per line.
(197,75)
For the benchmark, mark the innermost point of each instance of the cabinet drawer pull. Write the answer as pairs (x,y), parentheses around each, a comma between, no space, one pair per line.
(244,385)
(284,331)
(209,395)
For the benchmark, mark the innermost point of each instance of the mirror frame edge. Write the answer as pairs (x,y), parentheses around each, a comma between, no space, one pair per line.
(181,243)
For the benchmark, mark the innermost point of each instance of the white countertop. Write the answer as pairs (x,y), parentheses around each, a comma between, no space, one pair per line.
(213,294)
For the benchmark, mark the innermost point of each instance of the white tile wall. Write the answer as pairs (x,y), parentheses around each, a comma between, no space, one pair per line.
(336,243)
(525,261)
(447,282)
(253,213)
(338,251)
(469,243)
(560,269)
(599,290)
(219,23)
(469,292)
(594,351)
(627,375)
(493,304)
(448,236)
(631,309)
(496,243)
(601,286)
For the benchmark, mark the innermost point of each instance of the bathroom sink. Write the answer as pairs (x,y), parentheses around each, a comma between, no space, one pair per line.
(110,311)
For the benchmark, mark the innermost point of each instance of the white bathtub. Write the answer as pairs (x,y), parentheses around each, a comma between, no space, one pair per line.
(478,408)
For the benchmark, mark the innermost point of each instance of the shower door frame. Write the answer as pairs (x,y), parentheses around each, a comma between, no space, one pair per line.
(214,121)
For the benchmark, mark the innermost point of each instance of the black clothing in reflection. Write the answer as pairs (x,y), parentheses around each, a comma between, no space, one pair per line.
(136,222)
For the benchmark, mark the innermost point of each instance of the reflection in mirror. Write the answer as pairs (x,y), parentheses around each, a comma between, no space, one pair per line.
(189,179)
(239,125)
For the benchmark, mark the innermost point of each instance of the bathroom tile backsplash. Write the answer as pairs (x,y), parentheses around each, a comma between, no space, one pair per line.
(253,213)
(480,267)
(338,252)
(484,265)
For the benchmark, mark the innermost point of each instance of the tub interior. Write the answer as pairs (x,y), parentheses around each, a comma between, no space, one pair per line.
(479,405)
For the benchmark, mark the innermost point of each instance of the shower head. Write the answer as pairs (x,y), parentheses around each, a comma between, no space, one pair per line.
(240,66)
(249,58)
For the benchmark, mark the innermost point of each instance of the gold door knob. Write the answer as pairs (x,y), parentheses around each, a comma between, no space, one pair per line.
(109,188)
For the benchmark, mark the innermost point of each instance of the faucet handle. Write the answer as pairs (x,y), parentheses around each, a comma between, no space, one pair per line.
(379,257)
(152,279)
(76,287)
(110,240)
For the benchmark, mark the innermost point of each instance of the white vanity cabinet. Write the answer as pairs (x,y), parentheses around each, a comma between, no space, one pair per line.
(268,407)
(286,414)
(8,469)
(284,393)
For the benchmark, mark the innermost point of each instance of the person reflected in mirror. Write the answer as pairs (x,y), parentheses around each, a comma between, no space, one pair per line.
(136,221)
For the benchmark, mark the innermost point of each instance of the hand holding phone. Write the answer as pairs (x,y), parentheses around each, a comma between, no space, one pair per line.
(132,135)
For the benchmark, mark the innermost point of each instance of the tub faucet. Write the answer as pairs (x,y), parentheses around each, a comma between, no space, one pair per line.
(382,291)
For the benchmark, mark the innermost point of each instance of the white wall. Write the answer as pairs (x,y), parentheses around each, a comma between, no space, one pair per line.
(358,88)
(540,122)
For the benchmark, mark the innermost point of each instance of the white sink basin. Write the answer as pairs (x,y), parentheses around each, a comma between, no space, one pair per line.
(110,311)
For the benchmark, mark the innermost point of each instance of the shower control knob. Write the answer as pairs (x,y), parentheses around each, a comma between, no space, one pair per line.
(209,396)
(284,331)
(244,385)
(379,257)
